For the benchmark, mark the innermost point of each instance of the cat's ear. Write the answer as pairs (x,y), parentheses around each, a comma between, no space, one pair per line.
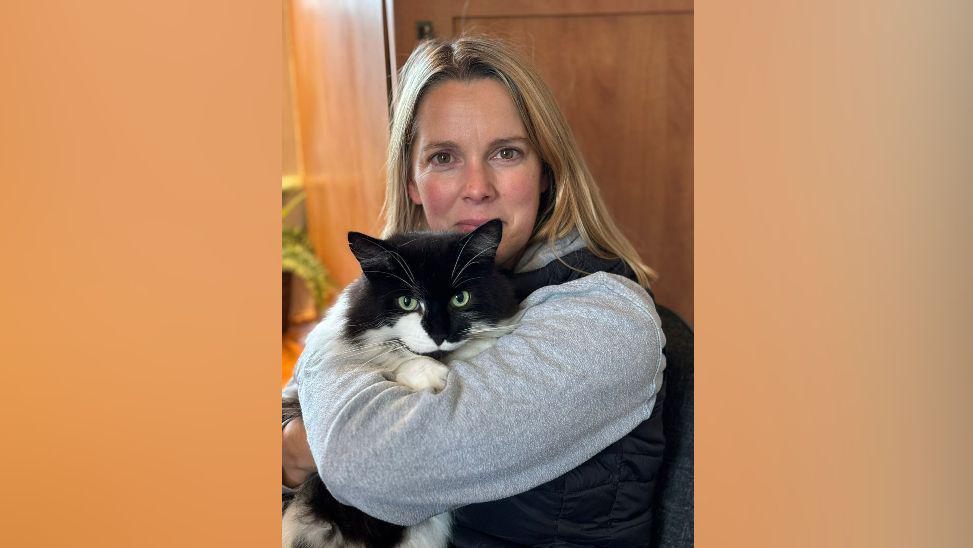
(372,254)
(481,245)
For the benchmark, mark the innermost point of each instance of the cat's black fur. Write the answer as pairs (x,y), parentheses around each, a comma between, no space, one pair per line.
(430,267)
(437,265)
(354,525)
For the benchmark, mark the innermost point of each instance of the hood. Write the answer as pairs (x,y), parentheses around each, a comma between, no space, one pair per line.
(540,254)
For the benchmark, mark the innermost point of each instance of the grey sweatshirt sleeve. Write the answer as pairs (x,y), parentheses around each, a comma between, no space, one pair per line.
(580,372)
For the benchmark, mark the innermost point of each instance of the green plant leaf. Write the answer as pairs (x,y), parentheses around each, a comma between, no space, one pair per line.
(291,204)
(297,256)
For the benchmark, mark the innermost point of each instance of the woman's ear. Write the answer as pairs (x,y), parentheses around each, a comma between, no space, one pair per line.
(413,190)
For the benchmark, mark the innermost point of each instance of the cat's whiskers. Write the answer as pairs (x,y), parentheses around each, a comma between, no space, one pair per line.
(373,324)
(369,345)
(452,275)
(491,331)
(366,325)
(401,261)
(387,352)
(407,340)
(467,280)
(468,263)
(416,289)
(488,329)
(365,348)
(409,242)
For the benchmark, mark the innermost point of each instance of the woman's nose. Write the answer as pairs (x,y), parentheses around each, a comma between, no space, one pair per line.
(479,184)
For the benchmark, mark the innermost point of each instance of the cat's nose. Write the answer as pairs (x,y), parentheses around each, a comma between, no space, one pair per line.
(438,339)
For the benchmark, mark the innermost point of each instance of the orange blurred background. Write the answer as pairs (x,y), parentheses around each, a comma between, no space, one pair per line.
(140,158)
(832,269)
(140,151)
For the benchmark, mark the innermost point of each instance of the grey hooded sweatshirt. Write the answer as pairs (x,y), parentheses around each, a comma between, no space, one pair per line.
(580,371)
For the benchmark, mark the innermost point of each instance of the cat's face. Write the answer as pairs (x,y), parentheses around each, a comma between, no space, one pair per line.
(428,291)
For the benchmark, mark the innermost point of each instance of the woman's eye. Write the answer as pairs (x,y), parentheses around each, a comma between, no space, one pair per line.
(441,158)
(508,154)
(408,303)
(460,299)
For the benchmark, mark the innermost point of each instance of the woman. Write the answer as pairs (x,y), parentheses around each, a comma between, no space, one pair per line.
(553,436)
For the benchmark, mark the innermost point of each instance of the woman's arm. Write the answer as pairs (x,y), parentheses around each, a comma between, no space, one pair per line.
(580,372)
(296,459)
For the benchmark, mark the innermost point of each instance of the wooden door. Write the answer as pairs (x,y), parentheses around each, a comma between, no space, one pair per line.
(622,72)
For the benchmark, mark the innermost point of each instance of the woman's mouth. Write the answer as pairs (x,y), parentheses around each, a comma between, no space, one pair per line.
(469,225)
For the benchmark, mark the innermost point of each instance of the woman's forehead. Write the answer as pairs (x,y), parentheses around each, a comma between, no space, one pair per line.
(467,112)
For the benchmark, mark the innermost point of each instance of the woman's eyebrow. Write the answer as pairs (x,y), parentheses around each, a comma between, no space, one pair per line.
(494,143)
(507,141)
(440,144)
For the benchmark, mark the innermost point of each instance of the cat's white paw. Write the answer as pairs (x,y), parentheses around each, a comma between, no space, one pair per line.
(420,373)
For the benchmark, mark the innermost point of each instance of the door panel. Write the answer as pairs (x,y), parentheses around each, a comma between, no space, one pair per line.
(622,72)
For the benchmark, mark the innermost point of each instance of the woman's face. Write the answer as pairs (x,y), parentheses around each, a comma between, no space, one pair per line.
(471,162)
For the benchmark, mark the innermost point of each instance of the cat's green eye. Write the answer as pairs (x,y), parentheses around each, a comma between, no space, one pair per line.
(460,299)
(408,303)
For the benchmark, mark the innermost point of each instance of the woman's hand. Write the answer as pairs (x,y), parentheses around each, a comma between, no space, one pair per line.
(297,461)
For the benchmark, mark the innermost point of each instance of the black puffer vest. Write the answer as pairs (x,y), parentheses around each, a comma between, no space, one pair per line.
(607,501)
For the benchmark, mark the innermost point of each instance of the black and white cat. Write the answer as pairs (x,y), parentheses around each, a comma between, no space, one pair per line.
(424,297)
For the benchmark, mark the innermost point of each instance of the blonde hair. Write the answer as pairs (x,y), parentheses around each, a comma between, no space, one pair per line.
(572,199)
